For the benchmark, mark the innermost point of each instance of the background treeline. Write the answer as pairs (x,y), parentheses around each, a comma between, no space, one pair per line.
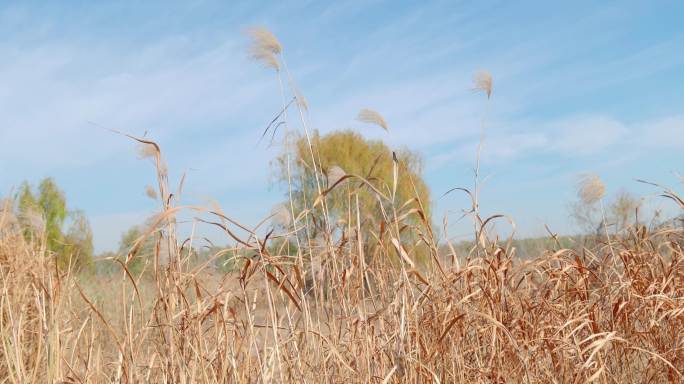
(43,213)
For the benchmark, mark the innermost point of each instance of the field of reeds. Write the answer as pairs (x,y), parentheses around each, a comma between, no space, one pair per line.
(380,303)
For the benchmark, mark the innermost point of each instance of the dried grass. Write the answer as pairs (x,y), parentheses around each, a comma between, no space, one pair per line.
(352,309)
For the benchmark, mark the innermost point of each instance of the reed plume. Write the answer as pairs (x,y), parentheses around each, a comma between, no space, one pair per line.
(264,47)
(370,116)
(484,82)
(151,192)
(590,188)
(335,174)
(280,215)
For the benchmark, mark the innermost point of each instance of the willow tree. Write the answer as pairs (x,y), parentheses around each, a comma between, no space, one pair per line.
(358,169)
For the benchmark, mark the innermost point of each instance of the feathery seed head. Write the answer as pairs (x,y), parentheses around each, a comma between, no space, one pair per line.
(301,100)
(264,47)
(370,116)
(151,192)
(163,169)
(590,188)
(146,150)
(483,82)
(266,58)
(335,174)
(265,39)
(280,215)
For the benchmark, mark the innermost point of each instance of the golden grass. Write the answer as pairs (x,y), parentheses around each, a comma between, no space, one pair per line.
(350,309)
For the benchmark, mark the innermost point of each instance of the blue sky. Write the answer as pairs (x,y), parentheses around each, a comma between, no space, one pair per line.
(578,87)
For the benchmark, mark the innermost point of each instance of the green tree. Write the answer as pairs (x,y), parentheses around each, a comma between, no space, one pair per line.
(52,205)
(44,214)
(348,153)
(49,204)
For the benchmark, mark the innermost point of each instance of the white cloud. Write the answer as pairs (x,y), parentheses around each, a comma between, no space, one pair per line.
(569,137)
(52,92)
(584,135)
(664,133)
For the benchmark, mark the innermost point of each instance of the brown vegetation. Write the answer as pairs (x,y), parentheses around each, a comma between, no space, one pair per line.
(613,315)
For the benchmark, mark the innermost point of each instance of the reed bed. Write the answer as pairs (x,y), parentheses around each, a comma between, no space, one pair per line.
(348,309)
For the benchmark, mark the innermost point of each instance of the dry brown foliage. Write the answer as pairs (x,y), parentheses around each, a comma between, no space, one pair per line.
(326,313)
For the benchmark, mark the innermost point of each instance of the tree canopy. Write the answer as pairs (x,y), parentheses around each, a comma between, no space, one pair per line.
(44,213)
(348,153)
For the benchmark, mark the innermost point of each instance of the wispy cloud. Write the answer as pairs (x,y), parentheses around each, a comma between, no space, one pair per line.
(583,135)
(572,137)
(53,93)
(665,133)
